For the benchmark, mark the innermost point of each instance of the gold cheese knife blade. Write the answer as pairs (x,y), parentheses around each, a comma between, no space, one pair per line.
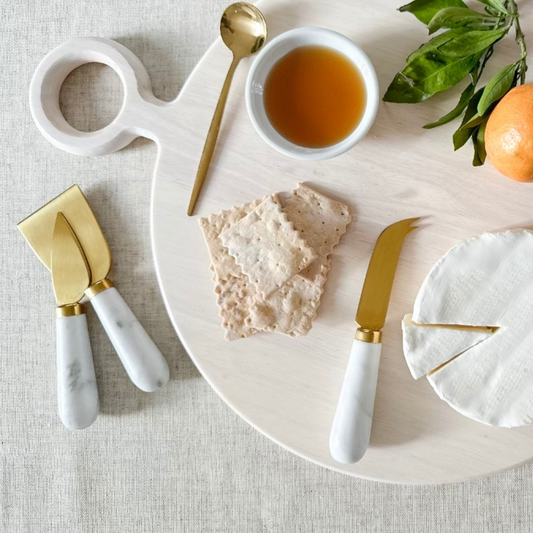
(38,230)
(375,296)
(350,431)
(70,271)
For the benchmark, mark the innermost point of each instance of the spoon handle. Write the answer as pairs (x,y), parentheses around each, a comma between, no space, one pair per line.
(212,136)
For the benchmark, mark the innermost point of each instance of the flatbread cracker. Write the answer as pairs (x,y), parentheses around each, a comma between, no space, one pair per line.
(223,264)
(320,220)
(235,296)
(291,309)
(267,247)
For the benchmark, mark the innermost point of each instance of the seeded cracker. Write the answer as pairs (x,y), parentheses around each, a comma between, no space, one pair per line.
(223,264)
(320,220)
(234,292)
(267,247)
(291,309)
(234,298)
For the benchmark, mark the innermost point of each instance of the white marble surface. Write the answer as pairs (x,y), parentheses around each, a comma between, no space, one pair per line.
(178,460)
(77,391)
(350,432)
(142,360)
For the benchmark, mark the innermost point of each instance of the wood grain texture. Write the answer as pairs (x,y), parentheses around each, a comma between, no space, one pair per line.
(288,388)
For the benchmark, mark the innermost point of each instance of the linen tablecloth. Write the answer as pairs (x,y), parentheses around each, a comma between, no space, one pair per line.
(180,459)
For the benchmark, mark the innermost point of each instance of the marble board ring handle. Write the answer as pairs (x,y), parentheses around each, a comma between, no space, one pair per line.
(138,116)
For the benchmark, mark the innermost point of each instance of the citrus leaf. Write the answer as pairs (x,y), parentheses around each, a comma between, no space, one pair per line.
(476,120)
(455,17)
(403,91)
(461,136)
(428,74)
(497,87)
(425,10)
(478,137)
(432,72)
(454,113)
(470,42)
(433,44)
(496,4)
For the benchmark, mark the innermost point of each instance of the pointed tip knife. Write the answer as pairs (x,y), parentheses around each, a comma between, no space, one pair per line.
(350,432)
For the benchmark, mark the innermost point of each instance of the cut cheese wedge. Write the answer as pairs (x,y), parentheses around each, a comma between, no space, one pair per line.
(484,282)
(428,347)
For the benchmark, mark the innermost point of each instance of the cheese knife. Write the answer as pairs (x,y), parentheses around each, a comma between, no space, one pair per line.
(350,432)
(142,360)
(77,393)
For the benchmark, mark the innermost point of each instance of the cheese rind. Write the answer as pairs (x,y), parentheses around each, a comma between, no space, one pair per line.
(427,348)
(484,281)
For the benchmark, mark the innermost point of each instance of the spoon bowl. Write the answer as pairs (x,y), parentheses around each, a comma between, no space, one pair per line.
(243,29)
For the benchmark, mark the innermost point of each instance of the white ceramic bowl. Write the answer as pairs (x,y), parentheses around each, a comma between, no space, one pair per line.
(281,46)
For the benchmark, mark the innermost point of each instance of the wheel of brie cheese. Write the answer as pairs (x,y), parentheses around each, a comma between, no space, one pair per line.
(471,331)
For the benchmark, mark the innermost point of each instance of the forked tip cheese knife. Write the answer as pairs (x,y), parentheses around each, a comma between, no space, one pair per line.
(77,393)
(350,433)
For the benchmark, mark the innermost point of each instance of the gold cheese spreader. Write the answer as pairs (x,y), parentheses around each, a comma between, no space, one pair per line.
(77,393)
(143,361)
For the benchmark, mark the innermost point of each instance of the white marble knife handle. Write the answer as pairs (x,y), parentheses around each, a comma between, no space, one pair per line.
(350,432)
(77,393)
(143,361)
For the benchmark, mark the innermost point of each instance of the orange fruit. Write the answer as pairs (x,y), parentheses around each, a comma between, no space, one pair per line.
(509,134)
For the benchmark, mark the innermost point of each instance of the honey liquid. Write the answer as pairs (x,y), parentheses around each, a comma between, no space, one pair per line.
(314,96)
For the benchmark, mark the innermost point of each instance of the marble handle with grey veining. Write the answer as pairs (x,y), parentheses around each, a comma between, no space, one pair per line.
(143,361)
(350,432)
(77,393)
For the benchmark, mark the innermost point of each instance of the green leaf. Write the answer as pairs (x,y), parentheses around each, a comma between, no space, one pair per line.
(496,4)
(455,17)
(432,72)
(454,113)
(437,41)
(403,91)
(425,10)
(427,74)
(497,87)
(471,42)
(461,136)
(480,154)
(476,120)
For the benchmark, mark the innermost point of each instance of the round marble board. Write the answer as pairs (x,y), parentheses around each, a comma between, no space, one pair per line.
(288,388)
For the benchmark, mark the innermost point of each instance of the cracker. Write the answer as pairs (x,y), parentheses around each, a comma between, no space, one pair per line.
(267,247)
(291,309)
(320,220)
(234,298)
(223,264)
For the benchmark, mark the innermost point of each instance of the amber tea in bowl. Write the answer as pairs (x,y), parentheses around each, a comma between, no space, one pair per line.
(314,96)
(312,93)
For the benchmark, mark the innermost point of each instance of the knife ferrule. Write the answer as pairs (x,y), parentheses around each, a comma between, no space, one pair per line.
(368,335)
(98,287)
(70,310)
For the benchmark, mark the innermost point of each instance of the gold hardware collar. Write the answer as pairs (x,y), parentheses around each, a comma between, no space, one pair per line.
(98,287)
(367,335)
(70,310)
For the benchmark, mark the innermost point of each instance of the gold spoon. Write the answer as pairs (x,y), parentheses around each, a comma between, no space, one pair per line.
(244,31)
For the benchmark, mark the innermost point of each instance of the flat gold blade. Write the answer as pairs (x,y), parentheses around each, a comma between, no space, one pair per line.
(38,229)
(377,288)
(70,270)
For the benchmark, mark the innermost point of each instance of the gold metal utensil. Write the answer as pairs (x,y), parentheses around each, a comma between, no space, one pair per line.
(141,358)
(244,31)
(350,432)
(77,393)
